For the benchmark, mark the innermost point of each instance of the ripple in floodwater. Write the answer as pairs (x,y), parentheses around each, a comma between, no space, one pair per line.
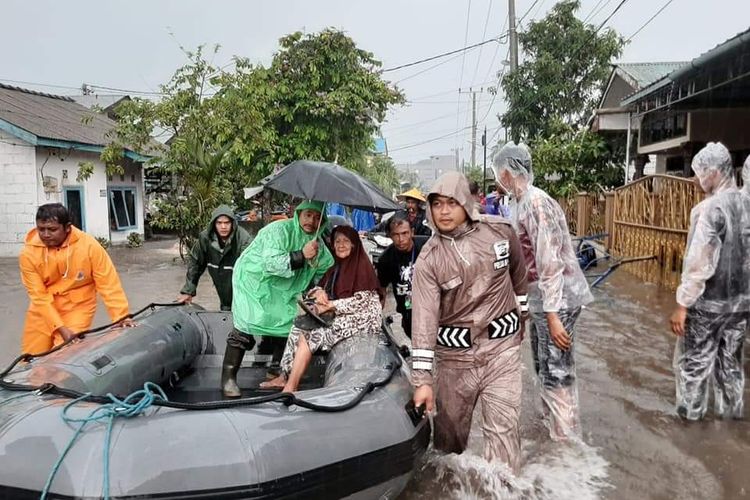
(551,471)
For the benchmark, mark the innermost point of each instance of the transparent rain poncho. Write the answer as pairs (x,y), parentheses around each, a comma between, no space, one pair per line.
(556,284)
(715,288)
(556,281)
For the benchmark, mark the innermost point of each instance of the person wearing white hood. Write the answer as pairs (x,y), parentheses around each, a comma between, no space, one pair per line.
(713,299)
(557,287)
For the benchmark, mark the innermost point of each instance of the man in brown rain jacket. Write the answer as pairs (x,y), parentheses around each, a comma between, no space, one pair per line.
(469,296)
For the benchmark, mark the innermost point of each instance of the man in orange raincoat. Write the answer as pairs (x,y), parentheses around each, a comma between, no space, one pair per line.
(63,269)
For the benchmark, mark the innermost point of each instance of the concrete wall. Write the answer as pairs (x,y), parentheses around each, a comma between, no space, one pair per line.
(617,91)
(17,193)
(22,170)
(63,165)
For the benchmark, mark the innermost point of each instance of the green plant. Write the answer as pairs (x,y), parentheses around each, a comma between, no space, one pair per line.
(321,98)
(566,64)
(135,240)
(104,242)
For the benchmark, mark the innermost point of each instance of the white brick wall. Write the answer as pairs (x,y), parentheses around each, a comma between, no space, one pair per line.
(17,192)
(22,168)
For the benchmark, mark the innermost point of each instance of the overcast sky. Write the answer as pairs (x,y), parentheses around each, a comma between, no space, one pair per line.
(127,45)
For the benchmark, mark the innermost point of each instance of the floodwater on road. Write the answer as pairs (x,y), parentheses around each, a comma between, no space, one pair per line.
(635,446)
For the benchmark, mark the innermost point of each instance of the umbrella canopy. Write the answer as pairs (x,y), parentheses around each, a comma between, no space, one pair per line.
(316,180)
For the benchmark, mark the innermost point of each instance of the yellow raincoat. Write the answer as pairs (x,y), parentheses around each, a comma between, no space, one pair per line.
(62,284)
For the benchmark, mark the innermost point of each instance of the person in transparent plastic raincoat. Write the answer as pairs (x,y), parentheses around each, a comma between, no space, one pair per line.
(557,287)
(713,299)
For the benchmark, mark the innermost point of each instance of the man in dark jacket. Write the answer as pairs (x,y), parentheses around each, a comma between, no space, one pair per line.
(396,266)
(217,248)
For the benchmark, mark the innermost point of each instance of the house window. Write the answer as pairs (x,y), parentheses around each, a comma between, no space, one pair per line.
(122,208)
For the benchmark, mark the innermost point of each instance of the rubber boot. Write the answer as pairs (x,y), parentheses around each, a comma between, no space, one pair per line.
(231,365)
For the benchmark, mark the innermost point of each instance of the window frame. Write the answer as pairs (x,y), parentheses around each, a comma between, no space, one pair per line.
(123,190)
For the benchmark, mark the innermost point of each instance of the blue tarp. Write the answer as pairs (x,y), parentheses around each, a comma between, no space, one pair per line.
(362,220)
(336,209)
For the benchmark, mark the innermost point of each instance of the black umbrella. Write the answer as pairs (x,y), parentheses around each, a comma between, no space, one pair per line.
(317,180)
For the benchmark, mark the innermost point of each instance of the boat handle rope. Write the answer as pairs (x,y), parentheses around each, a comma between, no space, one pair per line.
(287,398)
(111,407)
(132,406)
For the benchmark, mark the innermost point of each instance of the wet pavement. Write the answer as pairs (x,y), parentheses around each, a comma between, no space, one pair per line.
(635,446)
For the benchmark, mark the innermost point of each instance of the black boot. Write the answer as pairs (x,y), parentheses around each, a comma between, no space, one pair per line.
(231,365)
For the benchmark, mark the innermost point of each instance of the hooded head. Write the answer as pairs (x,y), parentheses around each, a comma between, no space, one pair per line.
(512,165)
(223,222)
(713,168)
(450,203)
(308,215)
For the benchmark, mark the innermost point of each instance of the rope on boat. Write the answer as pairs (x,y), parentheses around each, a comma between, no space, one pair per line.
(131,406)
(286,398)
(111,407)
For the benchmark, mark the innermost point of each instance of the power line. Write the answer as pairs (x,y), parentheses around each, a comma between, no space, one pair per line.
(429,68)
(456,132)
(389,130)
(591,37)
(649,20)
(484,33)
(434,139)
(596,10)
(461,73)
(520,21)
(444,54)
(466,40)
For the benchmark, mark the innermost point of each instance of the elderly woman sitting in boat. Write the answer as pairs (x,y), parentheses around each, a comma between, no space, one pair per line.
(349,289)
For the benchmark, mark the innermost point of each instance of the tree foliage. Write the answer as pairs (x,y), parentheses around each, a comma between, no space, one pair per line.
(558,159)
(381,171)
(554,93)
(566,65)
(321,98)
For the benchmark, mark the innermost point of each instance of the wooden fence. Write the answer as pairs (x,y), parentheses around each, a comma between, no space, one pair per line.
(650,216)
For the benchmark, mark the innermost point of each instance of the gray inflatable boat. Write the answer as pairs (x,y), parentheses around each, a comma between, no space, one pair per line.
(349,432)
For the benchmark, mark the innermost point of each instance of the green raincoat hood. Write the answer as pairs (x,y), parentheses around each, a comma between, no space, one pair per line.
(265,285)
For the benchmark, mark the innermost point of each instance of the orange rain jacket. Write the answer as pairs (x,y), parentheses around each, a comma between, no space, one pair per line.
(62,284)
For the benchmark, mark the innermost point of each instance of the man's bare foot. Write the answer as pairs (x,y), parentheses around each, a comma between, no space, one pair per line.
(275,383)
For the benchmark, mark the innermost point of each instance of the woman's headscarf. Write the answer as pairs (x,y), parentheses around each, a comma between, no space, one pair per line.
(352,274)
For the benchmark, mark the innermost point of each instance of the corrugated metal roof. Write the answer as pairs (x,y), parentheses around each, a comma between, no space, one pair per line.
(53,117)
(717,51)
(104,101)
(644,74)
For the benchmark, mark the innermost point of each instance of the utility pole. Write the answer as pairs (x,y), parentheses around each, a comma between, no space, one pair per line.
(513,40)
(473,122)
(484,169)
(473,129)
(512,35)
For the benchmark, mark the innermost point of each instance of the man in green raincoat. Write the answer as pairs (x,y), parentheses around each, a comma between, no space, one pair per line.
(217,248)
(282,261)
